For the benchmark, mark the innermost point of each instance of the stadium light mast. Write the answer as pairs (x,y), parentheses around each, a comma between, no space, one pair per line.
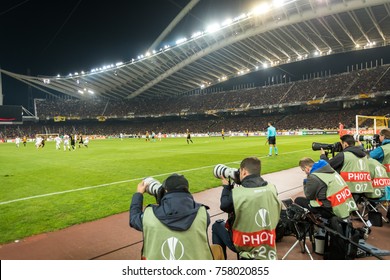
(172,25)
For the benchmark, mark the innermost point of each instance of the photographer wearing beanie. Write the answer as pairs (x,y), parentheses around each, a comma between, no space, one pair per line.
(326,193)
(253,211)
(176,227)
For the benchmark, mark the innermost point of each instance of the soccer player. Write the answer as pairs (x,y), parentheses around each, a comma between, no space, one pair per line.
(24,140)
(147,136)
(72,141)
(341,129)
(223,134)
(86,141)
(42,143)
(81,143)
(189,137)
(66,142)
(38,141)
(271,139)
(58,142)
(17,141)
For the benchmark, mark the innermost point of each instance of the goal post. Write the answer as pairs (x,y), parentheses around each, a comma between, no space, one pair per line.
(371,122)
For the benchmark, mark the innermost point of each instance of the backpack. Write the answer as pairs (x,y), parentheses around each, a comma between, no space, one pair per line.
(285,226)
(388,213)
(336,247)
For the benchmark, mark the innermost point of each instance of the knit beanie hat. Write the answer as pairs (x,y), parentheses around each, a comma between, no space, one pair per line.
(176,182)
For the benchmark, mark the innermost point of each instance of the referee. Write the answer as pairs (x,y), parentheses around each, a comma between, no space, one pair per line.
(271,139)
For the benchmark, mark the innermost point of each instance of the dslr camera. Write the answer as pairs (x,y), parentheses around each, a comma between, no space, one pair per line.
(333,148)
(296,213)
(222,171)
(155,188)
(370,142)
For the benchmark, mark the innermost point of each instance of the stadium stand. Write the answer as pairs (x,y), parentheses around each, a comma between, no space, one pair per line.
(332,98)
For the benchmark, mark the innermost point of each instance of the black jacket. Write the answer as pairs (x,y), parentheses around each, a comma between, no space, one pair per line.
(338,161)
(177,210)
(315,188)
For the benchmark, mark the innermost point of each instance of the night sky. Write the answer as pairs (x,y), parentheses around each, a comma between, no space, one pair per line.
(50,37)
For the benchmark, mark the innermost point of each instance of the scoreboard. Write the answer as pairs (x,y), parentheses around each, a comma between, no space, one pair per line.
(11,114)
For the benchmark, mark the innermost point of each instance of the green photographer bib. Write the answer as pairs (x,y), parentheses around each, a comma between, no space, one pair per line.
(337,193)
(257,212)
(162,243)
(356,173)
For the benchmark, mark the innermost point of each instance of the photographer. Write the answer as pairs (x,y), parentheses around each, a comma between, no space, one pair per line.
(326,193)
(382,153)
(175,228)
(379,178)
(351,163)
(254,210)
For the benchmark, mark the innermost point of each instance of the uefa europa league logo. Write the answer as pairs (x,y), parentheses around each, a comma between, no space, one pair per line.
(172,249)
(262,218)
(361,164)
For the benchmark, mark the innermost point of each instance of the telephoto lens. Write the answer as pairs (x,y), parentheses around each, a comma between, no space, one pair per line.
(222,171)
(152,186)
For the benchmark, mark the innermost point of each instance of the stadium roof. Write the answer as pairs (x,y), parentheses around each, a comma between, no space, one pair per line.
(268,36)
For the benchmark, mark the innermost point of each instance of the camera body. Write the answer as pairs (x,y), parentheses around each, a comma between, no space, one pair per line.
(222,171)
(296,213)
(155,188)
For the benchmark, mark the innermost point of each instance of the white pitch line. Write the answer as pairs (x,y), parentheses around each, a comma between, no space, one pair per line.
(121,182)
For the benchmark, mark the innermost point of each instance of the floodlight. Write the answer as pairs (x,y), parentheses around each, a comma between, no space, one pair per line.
(227,22)
(278,3)
(196,34)
(181,40)
(240,17)
(213,28)
(262,9)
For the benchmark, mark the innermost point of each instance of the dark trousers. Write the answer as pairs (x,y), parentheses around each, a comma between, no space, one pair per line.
(325,213)
(222,237)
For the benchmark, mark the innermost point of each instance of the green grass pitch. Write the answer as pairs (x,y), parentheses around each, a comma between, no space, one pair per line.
(47,189)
